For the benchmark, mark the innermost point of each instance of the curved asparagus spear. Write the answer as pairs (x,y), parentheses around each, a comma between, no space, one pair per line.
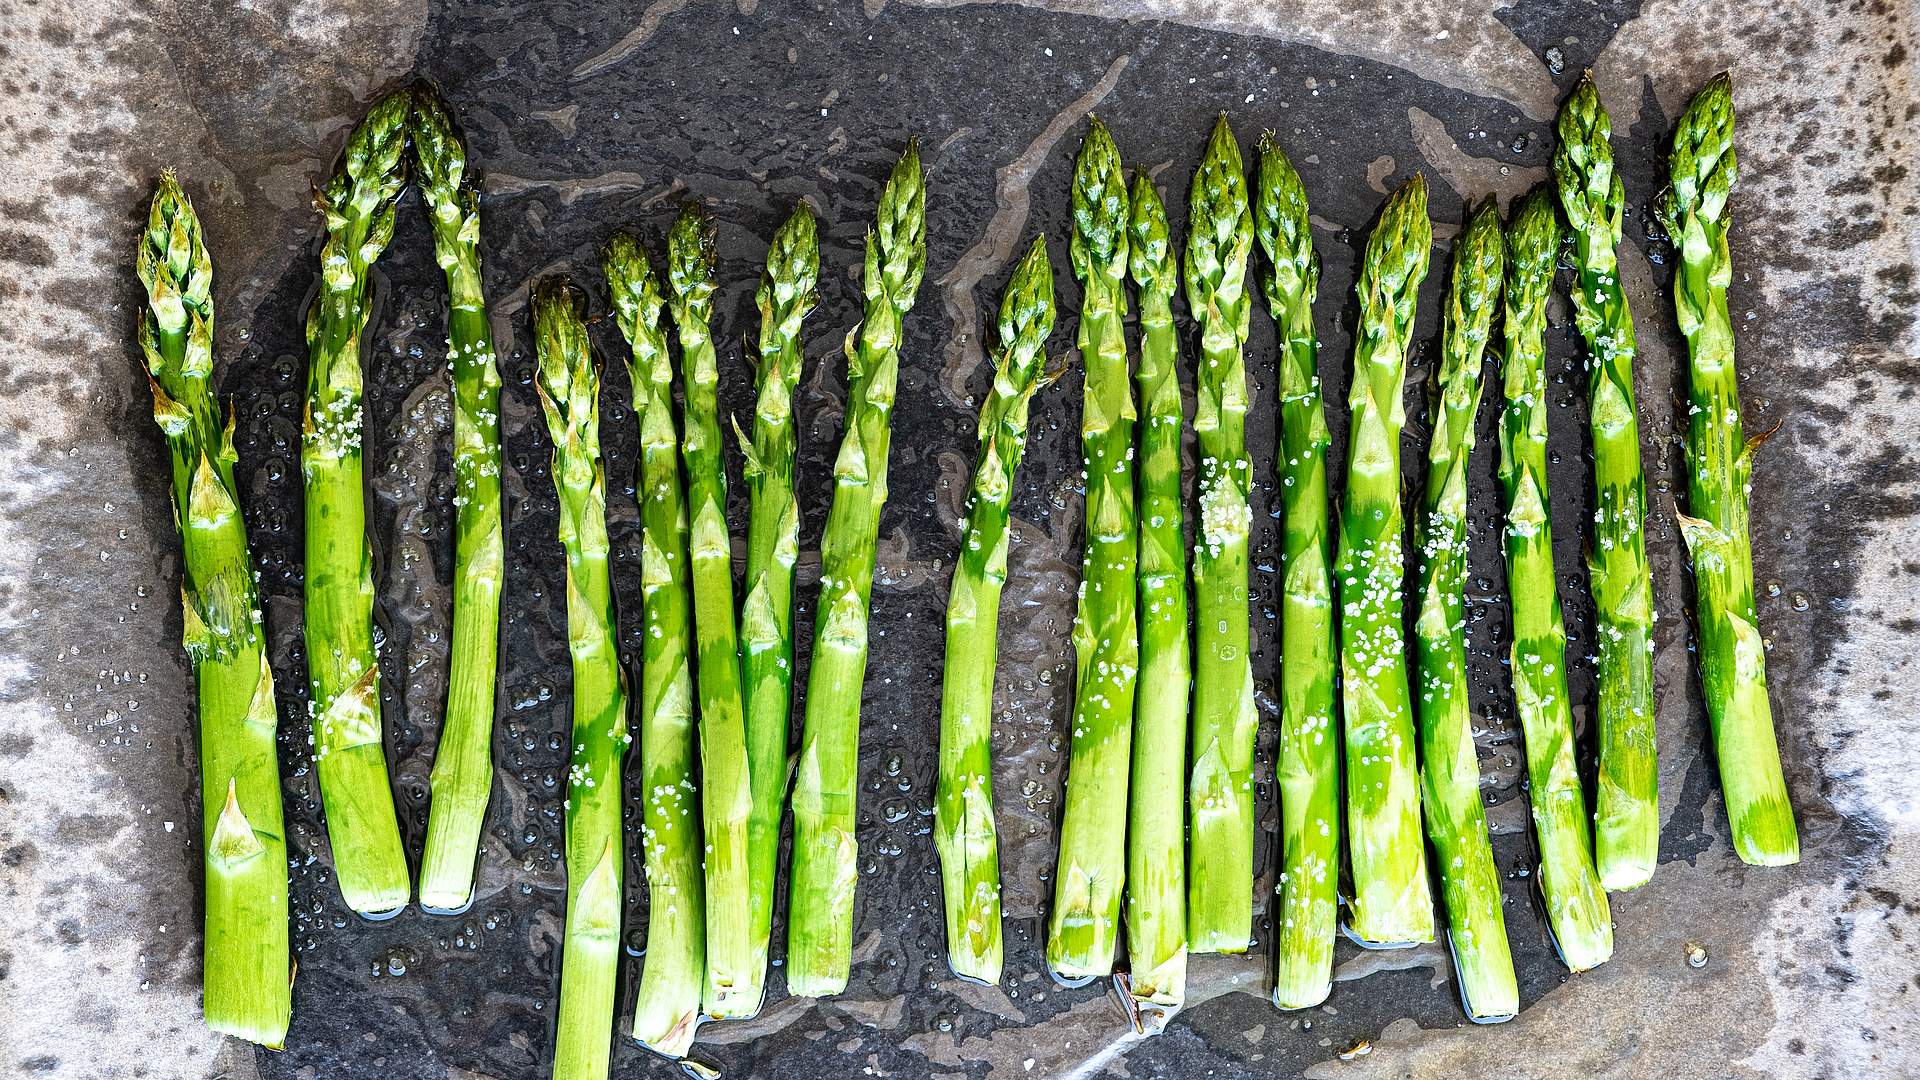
(350,757)
(1449,765)
(1308,769)
(726,787)
(463,763)
(668,1006)
(248,991)
(825,867)
(1156,813)
(569,385)
(1576,904)
(1391,901)
(963,828)
(1627,828)
(1084,928)
(1733,663)
(766,622)
(1220,787)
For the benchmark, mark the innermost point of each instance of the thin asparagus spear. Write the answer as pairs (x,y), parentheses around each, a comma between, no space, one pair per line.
(825,855)
(773,546)
(350,757)
(726,790)
(569,385)
(1156,814)
(963,828)
(1449,765)
(1733,662)
(1084,929)
(1220,787)
(1307,912)
(668,1008)
(1576,904)
(1391,901)
(1627,830)
(248,990)
(463,764)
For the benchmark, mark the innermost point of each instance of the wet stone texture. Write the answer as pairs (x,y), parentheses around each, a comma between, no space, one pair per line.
(587,117)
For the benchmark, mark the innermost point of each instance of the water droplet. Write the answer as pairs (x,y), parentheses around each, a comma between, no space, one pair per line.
(1799,601)
(1696,954)
(1556,60)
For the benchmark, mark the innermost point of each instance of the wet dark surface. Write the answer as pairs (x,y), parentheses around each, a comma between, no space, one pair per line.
(704,111)
(751,115)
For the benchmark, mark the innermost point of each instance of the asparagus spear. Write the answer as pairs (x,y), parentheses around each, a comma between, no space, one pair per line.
(773,545)
(463,764)
(1627,829)
(1449,765)
(1309,762)
(1084,929)
(963,828)
(1220,787)
(248,990)
(1156,825)
(1576,904)
(1733,664)
(569,385)
(668,1008)
(726,789)
(825,868)
(350,756)
(1391,902)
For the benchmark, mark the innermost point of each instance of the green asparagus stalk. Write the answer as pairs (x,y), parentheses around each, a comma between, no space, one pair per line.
(463,765)
(1733,663)
(773,546)
(825,855)
(249,992)
(1391,901)
(1156,813)
(668,1008)
(1220,786)
(1083,931)
(1309,759)
(350,755)
(1576,904)
(963,828)
(1449,765)
(569,385)
(1627,828)
(726,788)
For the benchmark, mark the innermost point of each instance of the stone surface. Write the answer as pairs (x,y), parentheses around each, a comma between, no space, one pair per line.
(591,116)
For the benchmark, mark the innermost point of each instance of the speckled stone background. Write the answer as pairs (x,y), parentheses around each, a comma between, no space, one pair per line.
(589,116)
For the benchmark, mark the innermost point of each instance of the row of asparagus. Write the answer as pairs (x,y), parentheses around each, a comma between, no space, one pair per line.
(1178,875)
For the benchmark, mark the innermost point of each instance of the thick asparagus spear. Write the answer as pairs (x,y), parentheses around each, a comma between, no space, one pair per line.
(1156,813)
(1084,928)
(463,764)
(726,787)
(1627,829)
(1307,910)
(1576,904)
(1449,765)
(963,828)
(248,990)
(569,385)
(773,546)
(1733,664)
(670,841)
(350,757)
(825,866)
(1391,901)
(1220,786)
